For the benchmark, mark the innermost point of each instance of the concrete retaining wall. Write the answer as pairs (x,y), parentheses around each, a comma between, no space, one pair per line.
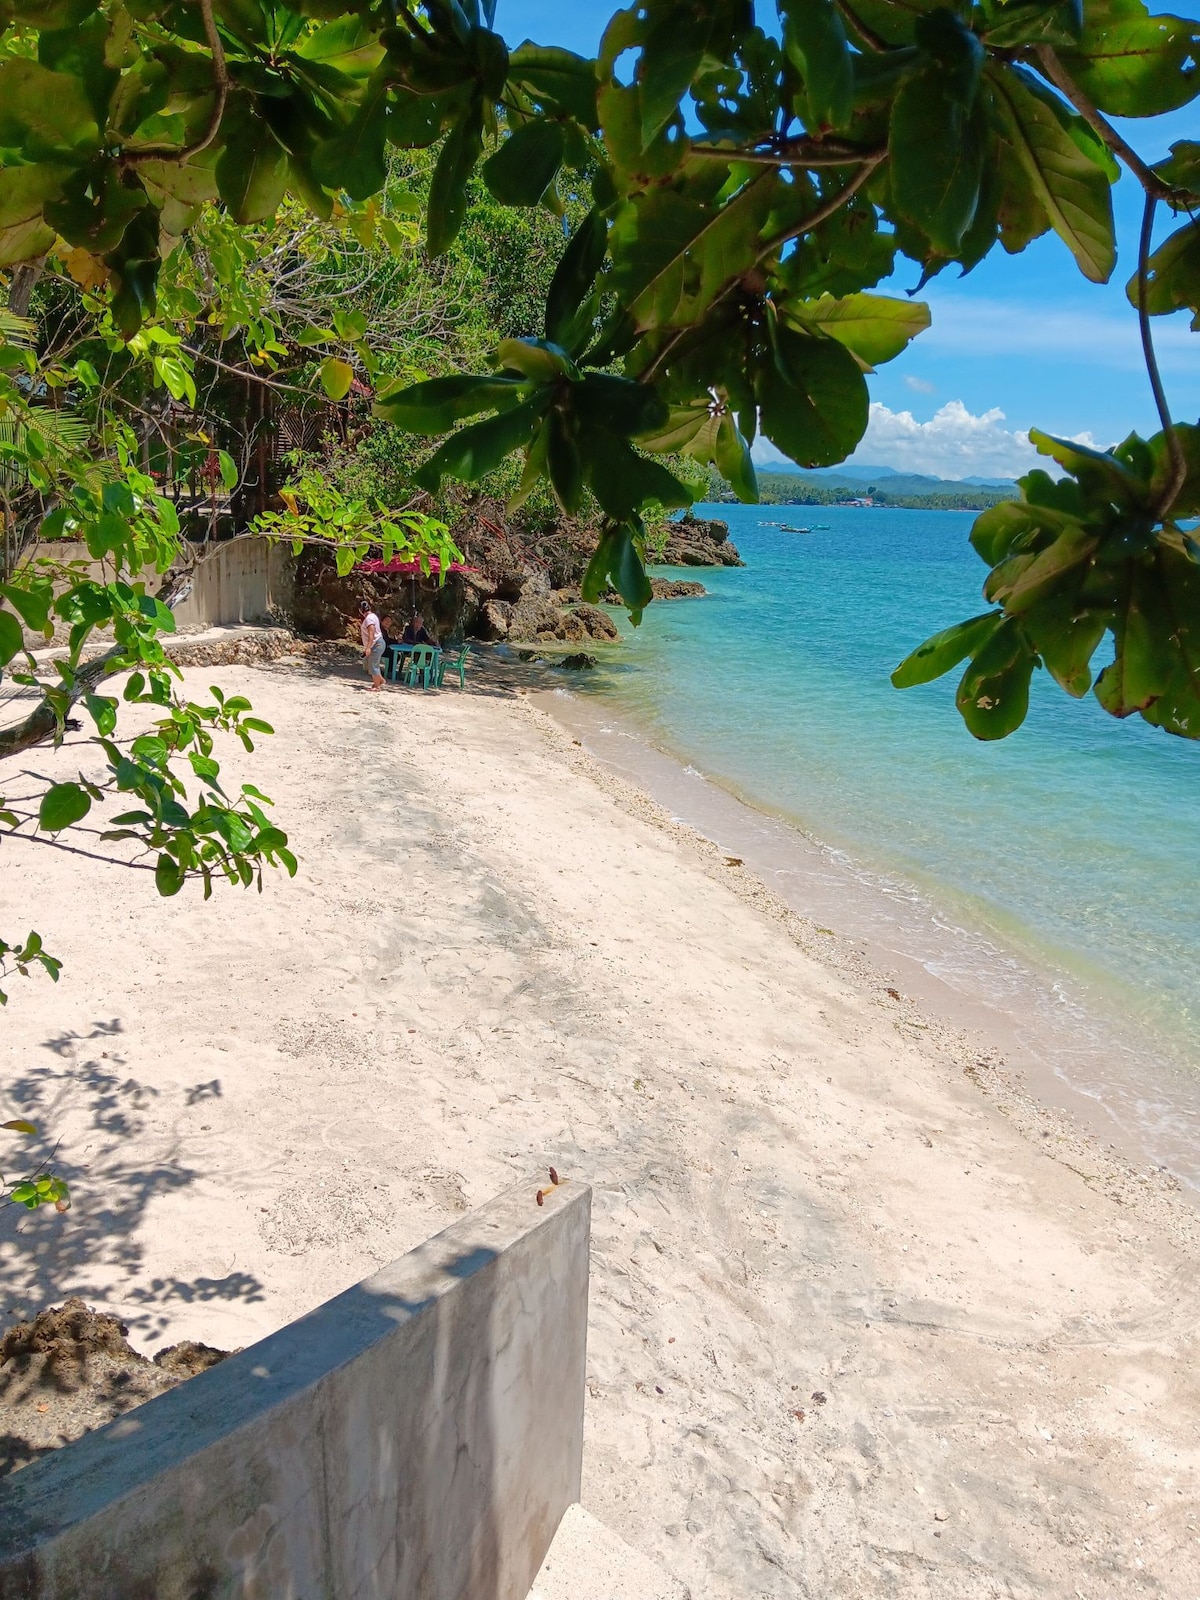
(416,1438)
(246,580)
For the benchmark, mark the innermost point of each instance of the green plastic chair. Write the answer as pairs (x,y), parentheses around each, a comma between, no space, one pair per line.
(457,664)
(421,666)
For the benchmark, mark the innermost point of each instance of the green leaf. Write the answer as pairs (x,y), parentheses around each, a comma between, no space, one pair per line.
(573,279)
(435,406)
(680,430)
(564,464)
(673,255)
(732,455)
(617,564)
(1130,63)
(447,203)
(1073,190)
(937,135)
(62,805)
(557,79)
(945,650)
(185,181)
(1019,22)
(874,327)
(168,876)
(353,160)
(103,711)
(619,405)
(23,189)
(473,452)
(19,1125)
(11,637)
(1181,169)
(1099,471)
(815,41)
(624,482)
(252,174)
(526,164)
(229,471)
(993,695)
(417,120)
(1145,659)
(812,399)
(674,39)
(42,111)
(1172,275)
(1065,633)
(536,359)
(336,377)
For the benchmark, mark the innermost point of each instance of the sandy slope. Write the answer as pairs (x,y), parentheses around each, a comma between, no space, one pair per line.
(863,1322)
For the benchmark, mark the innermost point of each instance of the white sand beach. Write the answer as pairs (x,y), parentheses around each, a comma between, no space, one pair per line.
(865,1319)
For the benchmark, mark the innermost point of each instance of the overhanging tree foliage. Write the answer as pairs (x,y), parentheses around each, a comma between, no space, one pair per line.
(737,191)
(749,188)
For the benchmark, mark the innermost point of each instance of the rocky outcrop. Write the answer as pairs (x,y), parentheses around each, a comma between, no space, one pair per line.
(539,618)
(522,582)
(676,589)
(699,542)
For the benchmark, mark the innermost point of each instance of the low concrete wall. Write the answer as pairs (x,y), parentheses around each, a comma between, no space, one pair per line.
(246,580)
(416,1438)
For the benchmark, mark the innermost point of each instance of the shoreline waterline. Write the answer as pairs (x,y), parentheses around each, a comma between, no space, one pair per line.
(1116,1081)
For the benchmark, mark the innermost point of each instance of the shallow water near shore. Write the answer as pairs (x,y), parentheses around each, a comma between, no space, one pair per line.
(1043,889)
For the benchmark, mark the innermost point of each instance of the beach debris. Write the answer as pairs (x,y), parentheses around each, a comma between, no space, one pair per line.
(799,1415)
(895,994)
(554,1182)
(941,1515)
(819,1397)
(734,861)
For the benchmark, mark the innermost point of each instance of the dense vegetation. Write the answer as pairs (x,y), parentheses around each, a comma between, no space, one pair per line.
(216,212)
(794,489)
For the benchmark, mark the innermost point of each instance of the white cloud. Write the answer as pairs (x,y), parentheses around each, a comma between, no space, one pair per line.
(954,443)
(919,385)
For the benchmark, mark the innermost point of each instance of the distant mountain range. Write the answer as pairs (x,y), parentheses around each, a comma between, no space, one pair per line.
(854,476)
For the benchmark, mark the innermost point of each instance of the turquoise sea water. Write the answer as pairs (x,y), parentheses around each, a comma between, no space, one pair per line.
(1072,843)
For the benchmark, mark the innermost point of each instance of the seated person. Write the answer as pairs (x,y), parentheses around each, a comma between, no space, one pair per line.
(389,630)
(415,632)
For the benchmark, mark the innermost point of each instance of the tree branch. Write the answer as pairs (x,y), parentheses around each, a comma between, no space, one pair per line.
(868,35)
(823,212)
(74,850)
(1053,69)
(799,152)
(41,723)
(1174,448)
(163,152)
(244,373)
(793,231)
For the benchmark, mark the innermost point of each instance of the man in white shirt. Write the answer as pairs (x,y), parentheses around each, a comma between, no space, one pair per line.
(372,643)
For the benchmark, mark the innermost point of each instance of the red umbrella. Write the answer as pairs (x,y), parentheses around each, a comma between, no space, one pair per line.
(413,568)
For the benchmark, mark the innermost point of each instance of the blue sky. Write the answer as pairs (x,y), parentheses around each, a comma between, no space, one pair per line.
(1023,341)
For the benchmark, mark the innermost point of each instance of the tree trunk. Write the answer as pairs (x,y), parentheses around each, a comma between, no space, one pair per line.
(24,282)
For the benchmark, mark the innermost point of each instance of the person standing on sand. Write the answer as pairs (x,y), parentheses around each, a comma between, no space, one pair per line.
(372,643)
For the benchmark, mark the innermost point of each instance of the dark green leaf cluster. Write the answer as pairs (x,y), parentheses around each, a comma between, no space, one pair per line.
(1072,561)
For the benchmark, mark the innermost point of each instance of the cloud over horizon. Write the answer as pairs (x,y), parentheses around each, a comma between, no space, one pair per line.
(954,443)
